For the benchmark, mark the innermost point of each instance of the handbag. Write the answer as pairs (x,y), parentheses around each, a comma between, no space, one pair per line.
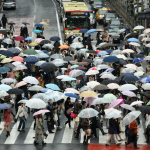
(69,111)
(72,115)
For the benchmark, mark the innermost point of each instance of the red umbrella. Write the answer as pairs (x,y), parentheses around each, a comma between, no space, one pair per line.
(19,38)
(17,58)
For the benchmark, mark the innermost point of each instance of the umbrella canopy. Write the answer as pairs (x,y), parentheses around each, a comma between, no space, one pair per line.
(127,51)
(146,30)
(62,76)
(6,60)
(113,114)
(39,63)
(72,90)
(113,86)
(130,78)
(137,60)
(31,80)
(88,94)
(3,93)
(92,84)
(74,66)
(14,50)
(85,88)
(35,88)
(22,101)
(4,69)
(37,31)
(22,83)
(88,113)
(139,73)
(49,67)
(144,109)
(68,79)
(145,79)
(71,95)
(110,97)
(29,38)
(127,70)
(15,91)
(19,38)
(58,62)
(76,73)
(89,100)
(100,87)
(87,60)
(100,101)
(83,30)
(130,87)
(138,28)
(42,55)
(20,67)
(30,52)
(17,58)
(115,103)
(64,47)
(146,86)
(129,93)
(92,72)
(134,44)
(40,112)
(41,96)
(5,87)
(52,86)
(5,106)
(103,66)
(9,65)
(7,53)
(133,40)
(68,58)
(111,59)
(30,59)
(136,103)
(76,45)
(55,38)
(35,103)
(107,76)
(48,46)
(91,31)
(126,106)
(130,117)
(101,53)
(8,41)
(106,82)
(56,56)
(7,80)
(147,58)
(132,66)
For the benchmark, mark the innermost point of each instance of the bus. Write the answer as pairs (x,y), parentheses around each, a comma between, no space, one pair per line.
(75,16)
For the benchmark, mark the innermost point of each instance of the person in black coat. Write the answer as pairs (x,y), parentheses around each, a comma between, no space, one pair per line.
(56,45)
(21,31)
(4,21)
(25,31)
(112,132)
(89,42)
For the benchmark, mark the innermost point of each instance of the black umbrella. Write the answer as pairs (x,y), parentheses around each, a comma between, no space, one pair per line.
(4,31)
(122,61)
(15,91)
(106,82)
(100,87)
(11,23)
(25,23)
(138,55)
(49,67)
(45,42)
(145,94)
(87,60)
(9,65)
(145,109)
(133,35)
(68,58)
(91,51)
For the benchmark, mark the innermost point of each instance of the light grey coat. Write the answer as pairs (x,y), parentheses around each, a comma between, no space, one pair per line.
(39,126)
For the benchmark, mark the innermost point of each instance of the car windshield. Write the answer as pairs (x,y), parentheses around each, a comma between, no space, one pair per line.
(102,12)
(109,15)
(116,22)
(113,30)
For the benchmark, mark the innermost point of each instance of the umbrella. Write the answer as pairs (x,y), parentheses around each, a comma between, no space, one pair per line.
(44,23)
(144,109)
(76,73)
(14,50)
(20,67)
(127,70)
(133,40)
(49,67)
(25,23)
(62,76)
(44,90)
(6,60)
(38,40)
(136,103)
(100,101)
(29,38)
(113,114)
(44,42)
(87,60)
(48,46)
(106,82)
(31,80)
(126,106)
(41,96)
(137,60)
(6,53)
(8,41)
(4,69)
(55,38)
(35,103)
(22,101)
(92,84)
(33,44)
(100,87)
(42,55)
(146,86)
(110,97)
(74,66)
(129,93)
(146,30)
(68,79)
(101,53)
(30,59)
(39,63)
(22,83)
(113,86)
(147,58)
(103,66)
(56,56)
(58,62)
(82,51)
(11,23)
(138,28)
(88,94)
(29,52)
(68,58)
(116,52)
(109,76)
(52,86)
(127,51)
(35,88)
(40,112)
(17,58)
(5,106)
(132,66)
(104,45)
(71,95)
(111,59)
(15,91)
(3,93)
(148,103)
(64,47)
(134,44)
(17,63)
(7,80)
(19,38)
(139,73)
(138,55)
(5,87)
(81,68)
(89,100)
(83,30)
(88,113)
(37,31)
(130,117)
(38,25)
(76,45)
(107,111)
(91,31)
(115,103)
(98,62)
(145,94)
(145,79)
(92,72)
(91,51)
(130,78)
(85,88)
(130,87)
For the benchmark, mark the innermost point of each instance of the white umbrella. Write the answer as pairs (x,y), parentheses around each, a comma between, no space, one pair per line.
(127,51)
(127,70)
(134,44)
(97,61)
(36,103)
(39,63)
(121,56)
(76,73)
(41,96)
(7,80)
(147,45)
(76,45)
(22,101)
(100,101)
(147,58)
(130,117)
(8,41)
(20,67)
(121,30)
(88,113)
(136,103)
(107,111)
(146,30)
(138,28)
(77,39)
(92,72)
(101,44)
(58,62)
(39,52)
(129,87)
(115,52)
(17,63)
(126,106)
(113,114)
(92,84)
(110,97)
(48,46)
(62,76)
(3,93)
(35,88)
(146,86)
(99,67)
(113,86)
(109,76)
(31,80)
(145,39)
(132,66)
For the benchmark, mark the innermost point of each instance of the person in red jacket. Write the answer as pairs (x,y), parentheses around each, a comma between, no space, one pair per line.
(133,127)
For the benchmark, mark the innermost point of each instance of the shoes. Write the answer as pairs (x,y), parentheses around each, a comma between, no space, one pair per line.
(23,130)
(75,137)
(136,148)
(70,127)
(126,144)
(104,133)
(107,144)
(51,132)
(8,134)
(43,143)
(84,141)
(19,130)
(35,143)
(59,128)
(118,144)
(120,140)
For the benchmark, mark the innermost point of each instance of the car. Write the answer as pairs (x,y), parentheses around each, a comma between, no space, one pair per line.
(93,22)
(97,4)
(100,14)
(9,4)
(117,22)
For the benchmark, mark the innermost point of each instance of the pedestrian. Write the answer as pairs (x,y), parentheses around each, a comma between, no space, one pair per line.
(25,31)
(89,42)
(4,21)
(12,30)
(121,40)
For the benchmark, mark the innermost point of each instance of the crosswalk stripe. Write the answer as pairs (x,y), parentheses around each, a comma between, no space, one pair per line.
(68,133)
(13,134)
(29,139)
(50,137)
(2,126)
(82,135)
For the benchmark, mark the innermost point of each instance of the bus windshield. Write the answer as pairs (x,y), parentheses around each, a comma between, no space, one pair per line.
(77,21)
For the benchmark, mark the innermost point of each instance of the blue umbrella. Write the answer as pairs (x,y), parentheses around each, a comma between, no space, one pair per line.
(45,51)
(102,53)
(42,55)
(44,64)
(5,87)
(44,90)
(55,38)
(30,59)
(137,60)
(38,25)
(126,74)
(29,38)
(4,69)
(83,30)
(91,31)
(109,51)
(7,53)
(111,59)
(37,31)
(133,40)
(52,86)
(5,106)
(145,79)
(143,53)
(71,95)
(14,50)
(68,79)
(130,78)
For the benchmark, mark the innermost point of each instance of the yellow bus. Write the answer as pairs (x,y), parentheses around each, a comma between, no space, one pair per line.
(75,16)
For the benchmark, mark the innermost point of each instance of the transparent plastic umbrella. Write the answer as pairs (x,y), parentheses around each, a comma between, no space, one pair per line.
(31,80)
(76,73)
(113,114)
(35,88)
(110,97)
(3,93)
(130,87)
(85,88)
(92,84)
(99,101)
(126,106)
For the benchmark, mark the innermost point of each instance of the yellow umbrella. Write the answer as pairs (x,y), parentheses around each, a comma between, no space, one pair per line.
(6,60)
(88,94)
(44,23)
(33,44)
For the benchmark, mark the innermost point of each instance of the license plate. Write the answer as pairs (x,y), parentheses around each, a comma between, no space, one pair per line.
(8,6)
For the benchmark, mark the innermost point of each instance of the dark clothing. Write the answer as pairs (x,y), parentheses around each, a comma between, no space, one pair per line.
(85,124)
(56,45)
(21,32)
(4,21)
(111,129)
(121,36)
(117,126)
(25,31)
(89,43)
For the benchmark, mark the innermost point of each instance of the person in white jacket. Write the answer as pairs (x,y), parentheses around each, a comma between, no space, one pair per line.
(21,115)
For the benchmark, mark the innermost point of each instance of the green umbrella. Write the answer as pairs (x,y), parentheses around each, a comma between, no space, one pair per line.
(74,66)
(148,103)
(30,52)
(110,97)
(3,56)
